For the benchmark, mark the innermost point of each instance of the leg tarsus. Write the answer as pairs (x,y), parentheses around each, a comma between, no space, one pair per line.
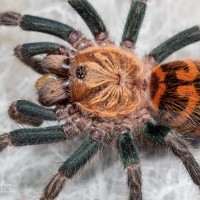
(134,182)
(10,18)
(70,168)
(4,141)
(54,187)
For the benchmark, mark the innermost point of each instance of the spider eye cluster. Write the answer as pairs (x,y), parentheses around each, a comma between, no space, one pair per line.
(81,72)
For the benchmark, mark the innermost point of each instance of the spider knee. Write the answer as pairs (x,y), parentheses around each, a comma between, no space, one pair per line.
(78,41)
(96,134)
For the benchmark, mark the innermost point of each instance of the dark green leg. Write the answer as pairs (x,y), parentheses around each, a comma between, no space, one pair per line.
(133,24)
(175,43)
(178,146)
(26,112)
(32,136)
(25,52)
(91,18)
(130,158)
(33,23)
(70,167)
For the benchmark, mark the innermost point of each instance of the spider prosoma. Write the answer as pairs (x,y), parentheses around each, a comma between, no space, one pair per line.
(107,94)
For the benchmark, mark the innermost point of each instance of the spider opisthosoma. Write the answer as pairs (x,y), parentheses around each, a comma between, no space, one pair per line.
(106,94)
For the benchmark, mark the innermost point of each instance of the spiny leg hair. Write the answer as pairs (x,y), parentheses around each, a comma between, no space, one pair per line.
(26,112)
(130,158)
(70,168)
(175,43)
(178,146)
(133,24)
(33,23)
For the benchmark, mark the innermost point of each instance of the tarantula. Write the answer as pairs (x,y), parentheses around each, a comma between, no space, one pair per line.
(107,94)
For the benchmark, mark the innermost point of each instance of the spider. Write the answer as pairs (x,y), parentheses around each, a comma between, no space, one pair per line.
(107,95)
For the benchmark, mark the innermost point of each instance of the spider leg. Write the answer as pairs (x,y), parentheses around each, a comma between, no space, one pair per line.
(175,43)
(26,112)
(130,158)
(92,19)
(33,136)
(133,24)
(70,167)
(25,52)
(177,145)
(31,49)
(33,23)
(180,149)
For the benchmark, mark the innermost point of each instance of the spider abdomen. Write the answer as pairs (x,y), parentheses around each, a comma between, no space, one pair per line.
(175,91)
(112,83)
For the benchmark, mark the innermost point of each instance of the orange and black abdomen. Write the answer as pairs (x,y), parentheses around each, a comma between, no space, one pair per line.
(175,92)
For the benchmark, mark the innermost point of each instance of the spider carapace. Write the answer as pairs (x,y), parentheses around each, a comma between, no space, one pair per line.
(107,94)
(106,81)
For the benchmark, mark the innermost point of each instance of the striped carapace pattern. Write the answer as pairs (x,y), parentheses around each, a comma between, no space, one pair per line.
(175,91)
(111,87)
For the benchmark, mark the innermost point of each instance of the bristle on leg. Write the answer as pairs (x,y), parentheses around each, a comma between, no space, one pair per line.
(180,149)
(54,187)
(4,141)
